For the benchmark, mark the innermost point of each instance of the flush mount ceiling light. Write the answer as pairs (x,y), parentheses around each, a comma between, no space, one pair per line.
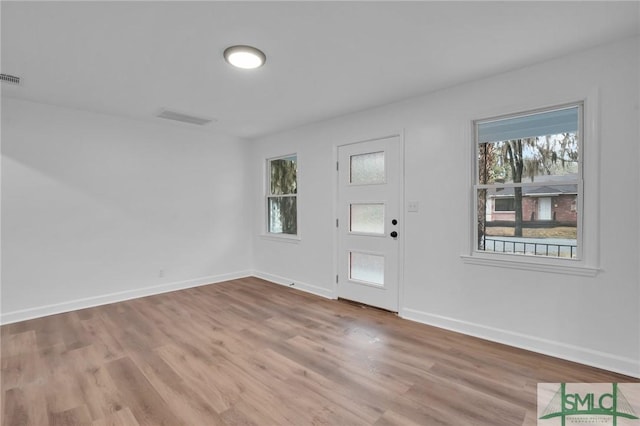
(245,57)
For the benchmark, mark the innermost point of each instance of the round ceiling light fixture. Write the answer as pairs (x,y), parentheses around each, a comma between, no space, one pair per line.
(245,57)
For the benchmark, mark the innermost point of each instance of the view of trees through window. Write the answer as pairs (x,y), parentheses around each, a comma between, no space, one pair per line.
(527,185)
(282,198)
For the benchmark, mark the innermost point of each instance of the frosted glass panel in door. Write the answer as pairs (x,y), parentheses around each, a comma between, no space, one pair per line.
(365,267)
(367,168)
(367,218)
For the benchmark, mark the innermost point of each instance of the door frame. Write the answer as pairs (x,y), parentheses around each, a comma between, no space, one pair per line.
(401,200)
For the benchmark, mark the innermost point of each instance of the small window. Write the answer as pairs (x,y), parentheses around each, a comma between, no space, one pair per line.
(527,184)
(282,194)
(504,204)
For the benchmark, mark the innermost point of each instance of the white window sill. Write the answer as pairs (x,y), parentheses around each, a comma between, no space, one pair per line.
(540,265)
(283,238)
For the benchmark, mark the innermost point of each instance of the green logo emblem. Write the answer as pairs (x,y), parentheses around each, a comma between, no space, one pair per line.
(587,407)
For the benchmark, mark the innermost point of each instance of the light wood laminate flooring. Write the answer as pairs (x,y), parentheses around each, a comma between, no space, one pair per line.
(249,352)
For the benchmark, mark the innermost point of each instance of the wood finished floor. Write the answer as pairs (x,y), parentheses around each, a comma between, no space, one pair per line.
(253,353)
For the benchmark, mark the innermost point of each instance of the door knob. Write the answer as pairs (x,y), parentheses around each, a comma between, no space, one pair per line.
(394,234)
(394,222)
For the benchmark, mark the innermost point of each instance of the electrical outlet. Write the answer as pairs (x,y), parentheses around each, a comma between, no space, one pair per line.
(413,206)
(161,273)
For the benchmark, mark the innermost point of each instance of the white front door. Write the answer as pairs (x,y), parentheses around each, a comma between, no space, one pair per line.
(369,201)
(544,208)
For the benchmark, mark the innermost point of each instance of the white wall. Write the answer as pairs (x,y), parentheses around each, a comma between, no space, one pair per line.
(95,206)
(594,320)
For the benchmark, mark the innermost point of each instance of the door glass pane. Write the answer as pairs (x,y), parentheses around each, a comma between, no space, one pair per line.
(367,218)
(366,267)
(367,168)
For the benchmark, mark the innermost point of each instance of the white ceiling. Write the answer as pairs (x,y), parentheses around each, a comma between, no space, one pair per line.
(324,59)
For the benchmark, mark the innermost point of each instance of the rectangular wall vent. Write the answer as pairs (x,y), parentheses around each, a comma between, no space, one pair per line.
(7,78)
(185,118)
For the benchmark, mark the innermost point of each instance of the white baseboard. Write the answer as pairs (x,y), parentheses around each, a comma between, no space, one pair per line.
(309,288)
(89,302)
(606,361)
(603,360)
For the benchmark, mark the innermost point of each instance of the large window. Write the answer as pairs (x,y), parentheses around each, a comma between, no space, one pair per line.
(528,183)
(282,194)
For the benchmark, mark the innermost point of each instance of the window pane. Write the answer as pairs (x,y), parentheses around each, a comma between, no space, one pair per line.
(366,267)
(538,124)
(283,179)
(367,168)
(543,221)
(367,218)
(283,215)
(549,158)
(504,204)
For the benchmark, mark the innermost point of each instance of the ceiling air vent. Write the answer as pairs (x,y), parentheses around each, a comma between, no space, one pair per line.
(185,118)
(7,78)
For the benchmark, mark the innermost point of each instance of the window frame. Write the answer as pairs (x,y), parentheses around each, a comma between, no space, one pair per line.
(586,263)
(268,195)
